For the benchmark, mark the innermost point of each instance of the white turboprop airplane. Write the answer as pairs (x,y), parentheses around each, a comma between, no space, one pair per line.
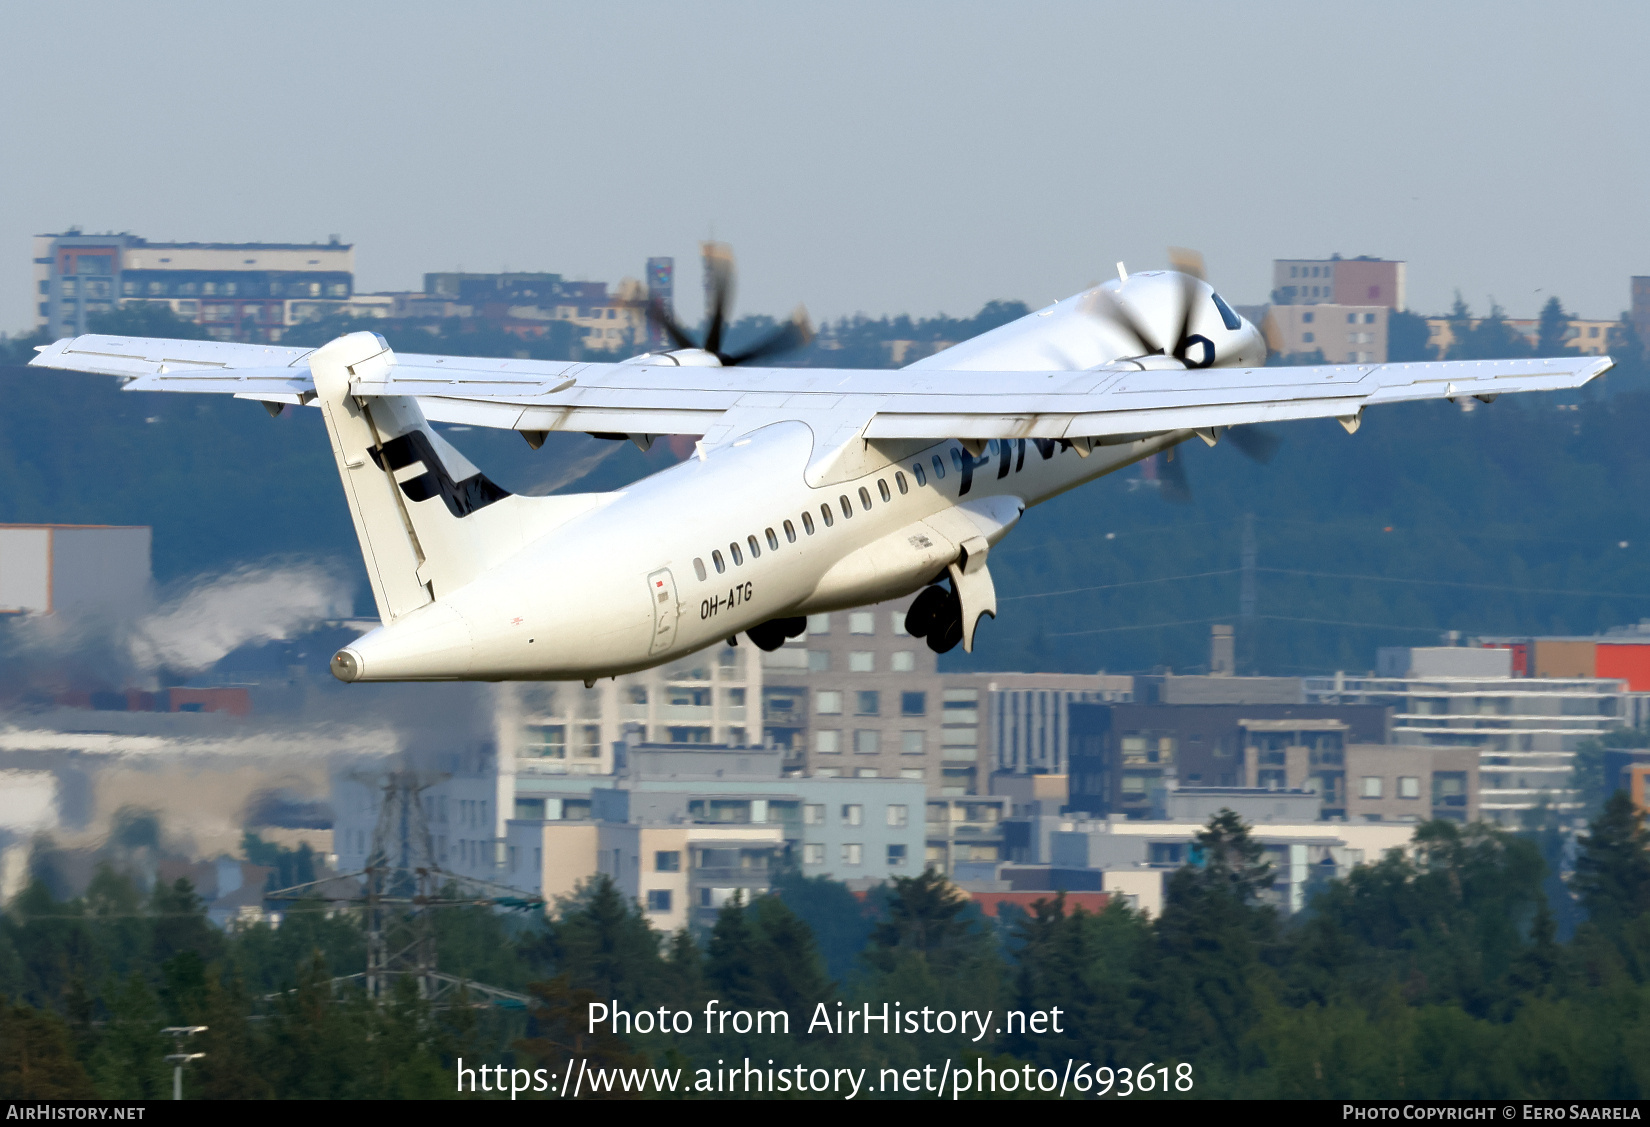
(810,490)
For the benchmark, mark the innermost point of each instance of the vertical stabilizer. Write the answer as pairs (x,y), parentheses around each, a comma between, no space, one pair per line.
(389,545)
(428,520)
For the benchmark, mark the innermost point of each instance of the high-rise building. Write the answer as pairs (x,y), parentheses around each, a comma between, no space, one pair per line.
(661,291)
(1641,307)
(237,291)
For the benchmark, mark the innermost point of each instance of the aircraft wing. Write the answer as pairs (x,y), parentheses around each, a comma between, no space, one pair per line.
(1125,398)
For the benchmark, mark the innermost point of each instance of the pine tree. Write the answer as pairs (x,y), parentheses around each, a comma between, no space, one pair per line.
(685,971)
(925,916)
(1613,864)
(1231,859)
(791,968)
(604,943)
(128,1062)
(733,968)
(1553,332)
(37,1061)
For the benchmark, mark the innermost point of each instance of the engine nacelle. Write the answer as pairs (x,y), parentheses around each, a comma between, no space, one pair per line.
(1141,314)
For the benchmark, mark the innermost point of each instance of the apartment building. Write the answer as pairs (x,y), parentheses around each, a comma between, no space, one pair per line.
(236,291)
(563,728)
(1124,755)
(1524,730)
(1132,858)
(1362,281)
(528,304)
(1342,334)
(679,827)
(1590,338)
(964,835)
(857,695)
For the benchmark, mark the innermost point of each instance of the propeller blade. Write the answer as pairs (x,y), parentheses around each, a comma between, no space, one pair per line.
(658,315)
(1171,475)
(718,258)
(1254,442)
(792,335)
(1188,299)
(1117,312)
(1187,261)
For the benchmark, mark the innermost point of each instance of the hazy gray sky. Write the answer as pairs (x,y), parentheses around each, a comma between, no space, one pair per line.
(877,157)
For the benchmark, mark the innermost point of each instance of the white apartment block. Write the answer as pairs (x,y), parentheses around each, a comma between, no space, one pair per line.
(563,728)
(1525,729)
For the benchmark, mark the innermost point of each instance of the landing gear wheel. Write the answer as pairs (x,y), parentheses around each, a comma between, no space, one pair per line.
(770,635)
(947,627)
(926,609)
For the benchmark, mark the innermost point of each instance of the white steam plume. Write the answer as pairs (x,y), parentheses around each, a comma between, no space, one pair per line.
(218,614)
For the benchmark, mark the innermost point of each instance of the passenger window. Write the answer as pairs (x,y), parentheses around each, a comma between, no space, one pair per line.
(899,482)
(847,505)
(922,478)
(756,549)
(773,541)
(865,498)
(939,467)
(808,523)
(825,511)
(790,530)
(699,568)
(733,550)
(882,488)
(716,561)
(956,458)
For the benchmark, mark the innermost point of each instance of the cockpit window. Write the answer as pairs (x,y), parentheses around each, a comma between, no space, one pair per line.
(1227,317)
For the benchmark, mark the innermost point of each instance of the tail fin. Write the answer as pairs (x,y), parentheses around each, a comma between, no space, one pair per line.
(428,520)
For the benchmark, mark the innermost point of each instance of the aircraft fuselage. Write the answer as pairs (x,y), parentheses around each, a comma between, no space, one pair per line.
(713,546)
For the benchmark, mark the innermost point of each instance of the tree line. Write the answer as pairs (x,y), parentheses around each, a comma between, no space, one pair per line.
(1436,972)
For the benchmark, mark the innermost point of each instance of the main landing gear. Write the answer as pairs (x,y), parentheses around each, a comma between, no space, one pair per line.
(772,634)
(936,615)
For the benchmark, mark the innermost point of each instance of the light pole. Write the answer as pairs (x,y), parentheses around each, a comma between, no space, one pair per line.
(181,1058)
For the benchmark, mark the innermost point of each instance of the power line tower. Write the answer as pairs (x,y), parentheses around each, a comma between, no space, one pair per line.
(398,893)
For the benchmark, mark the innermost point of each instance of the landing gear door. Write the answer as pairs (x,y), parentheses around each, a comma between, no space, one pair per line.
(662,589)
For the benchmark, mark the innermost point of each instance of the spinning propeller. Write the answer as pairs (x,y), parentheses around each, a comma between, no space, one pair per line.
(1253,442)
(718,259)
